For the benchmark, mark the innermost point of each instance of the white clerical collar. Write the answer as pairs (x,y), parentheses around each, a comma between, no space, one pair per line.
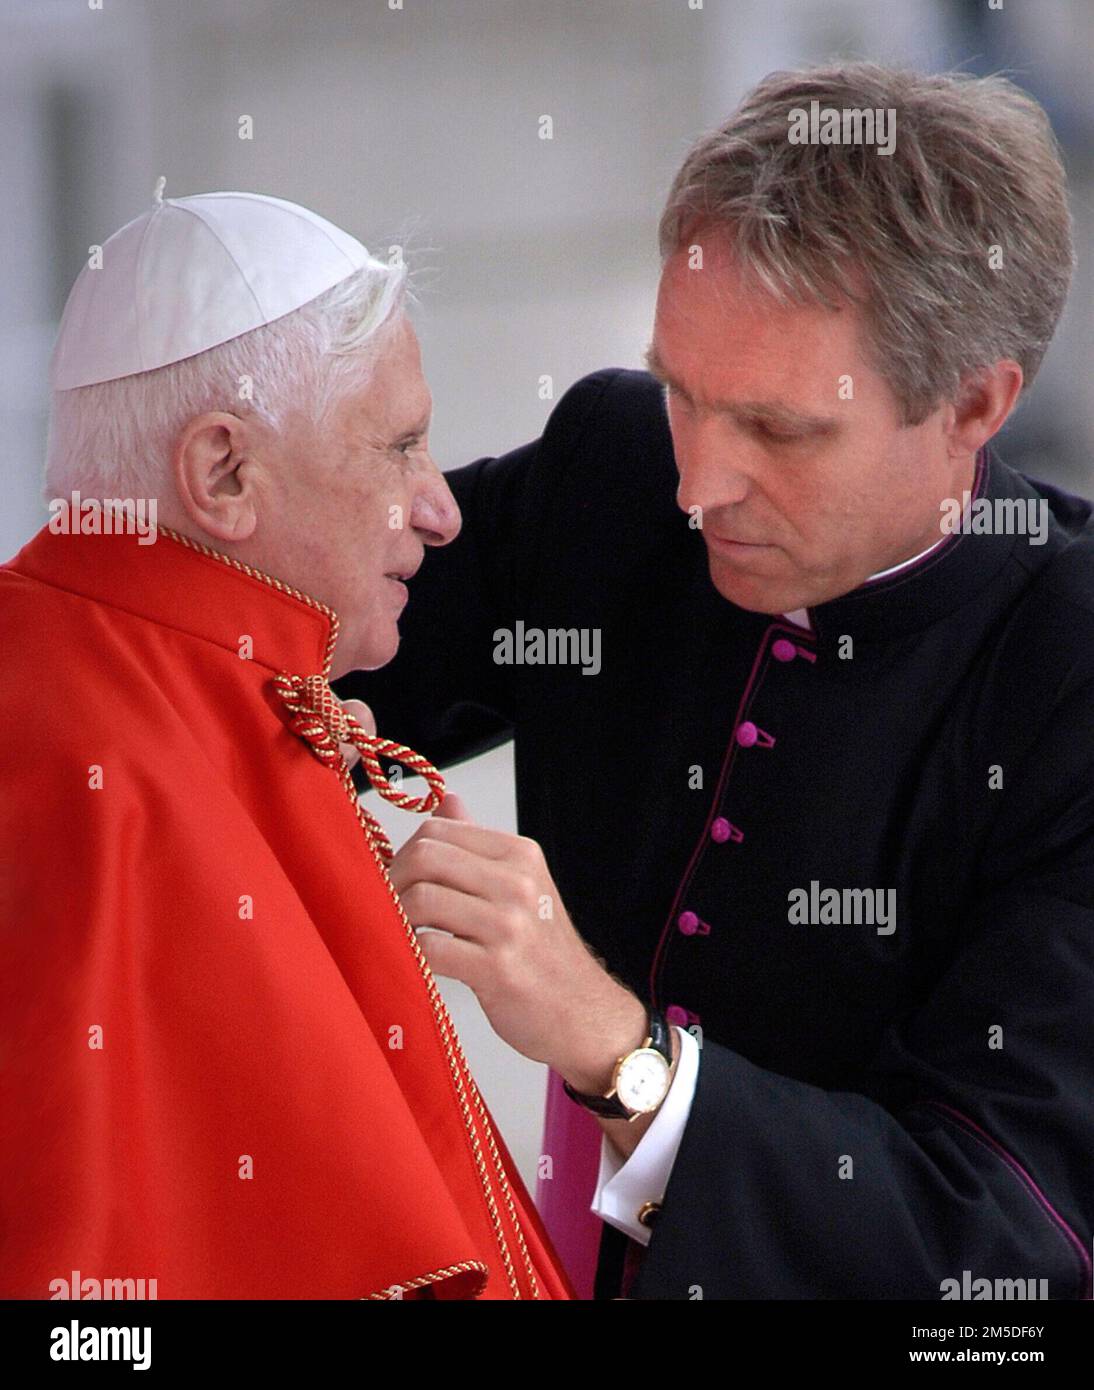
(884,574)
(800,616)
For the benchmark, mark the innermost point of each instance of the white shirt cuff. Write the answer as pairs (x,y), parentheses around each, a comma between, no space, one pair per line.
(625,1185)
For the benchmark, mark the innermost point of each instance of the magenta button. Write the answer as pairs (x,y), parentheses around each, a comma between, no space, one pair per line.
(675,1014)
(688,923)
(748,735)
(722,830)
(782,650)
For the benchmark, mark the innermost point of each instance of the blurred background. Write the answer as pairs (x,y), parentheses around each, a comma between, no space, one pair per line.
(417,123)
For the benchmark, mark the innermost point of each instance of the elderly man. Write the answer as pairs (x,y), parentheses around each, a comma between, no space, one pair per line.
(827,809)
(227,1071)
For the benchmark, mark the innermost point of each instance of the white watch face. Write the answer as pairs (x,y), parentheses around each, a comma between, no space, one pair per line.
(643,1080)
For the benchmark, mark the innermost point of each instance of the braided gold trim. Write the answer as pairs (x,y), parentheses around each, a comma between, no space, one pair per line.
(458,1067)
(457,1062)
(320,720)
(423,1281)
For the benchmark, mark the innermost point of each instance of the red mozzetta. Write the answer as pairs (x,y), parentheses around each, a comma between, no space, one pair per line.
(226,1065)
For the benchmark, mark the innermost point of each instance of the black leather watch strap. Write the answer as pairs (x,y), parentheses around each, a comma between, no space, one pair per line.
(610,1106)
(660,1037)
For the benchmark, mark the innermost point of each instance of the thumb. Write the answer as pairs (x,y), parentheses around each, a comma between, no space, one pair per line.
(453,808)
(364,716)
(361,712)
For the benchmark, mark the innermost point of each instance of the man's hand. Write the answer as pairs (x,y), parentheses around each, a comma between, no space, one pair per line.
(501,928)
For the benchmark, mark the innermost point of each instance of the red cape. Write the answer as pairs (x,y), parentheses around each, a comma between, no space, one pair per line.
(265,1106)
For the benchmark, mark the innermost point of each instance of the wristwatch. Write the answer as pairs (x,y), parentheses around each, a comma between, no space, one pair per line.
(640,1079)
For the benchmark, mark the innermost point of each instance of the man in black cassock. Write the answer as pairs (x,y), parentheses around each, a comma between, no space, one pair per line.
(828,800)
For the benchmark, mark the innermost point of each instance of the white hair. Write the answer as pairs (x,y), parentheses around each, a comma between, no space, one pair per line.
(114,438)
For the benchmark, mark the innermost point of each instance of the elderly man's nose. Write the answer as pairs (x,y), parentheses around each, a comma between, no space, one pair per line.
(435,513)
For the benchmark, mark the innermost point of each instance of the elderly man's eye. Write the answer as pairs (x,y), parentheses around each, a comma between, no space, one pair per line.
(405,446)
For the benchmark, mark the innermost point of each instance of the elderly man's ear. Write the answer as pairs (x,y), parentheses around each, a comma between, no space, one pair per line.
(216,474)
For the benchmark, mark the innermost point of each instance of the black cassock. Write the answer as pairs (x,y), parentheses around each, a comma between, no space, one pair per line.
(879,1109)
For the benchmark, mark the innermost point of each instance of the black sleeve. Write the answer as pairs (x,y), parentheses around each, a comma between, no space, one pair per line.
(972,1150)
(443,694)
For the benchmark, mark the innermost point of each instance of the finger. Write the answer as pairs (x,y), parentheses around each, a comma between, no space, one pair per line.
(451,958)
(447,909)
(479,839)
(494,882)
(453,808)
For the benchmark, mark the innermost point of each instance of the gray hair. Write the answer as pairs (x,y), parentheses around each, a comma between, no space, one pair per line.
(974,178)
(114,438)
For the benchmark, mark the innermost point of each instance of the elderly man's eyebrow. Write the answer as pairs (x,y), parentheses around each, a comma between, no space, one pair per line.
(416,430)
(656,367)
(757,412)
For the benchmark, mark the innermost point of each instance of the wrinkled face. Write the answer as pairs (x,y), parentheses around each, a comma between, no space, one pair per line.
(349,510)
(803,494)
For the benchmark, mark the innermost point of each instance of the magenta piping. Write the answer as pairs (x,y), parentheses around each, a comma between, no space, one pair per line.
(1046,1206)
(937,550)
(727,762)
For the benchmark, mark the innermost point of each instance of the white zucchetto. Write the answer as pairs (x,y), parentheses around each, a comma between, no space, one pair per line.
(192,273)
